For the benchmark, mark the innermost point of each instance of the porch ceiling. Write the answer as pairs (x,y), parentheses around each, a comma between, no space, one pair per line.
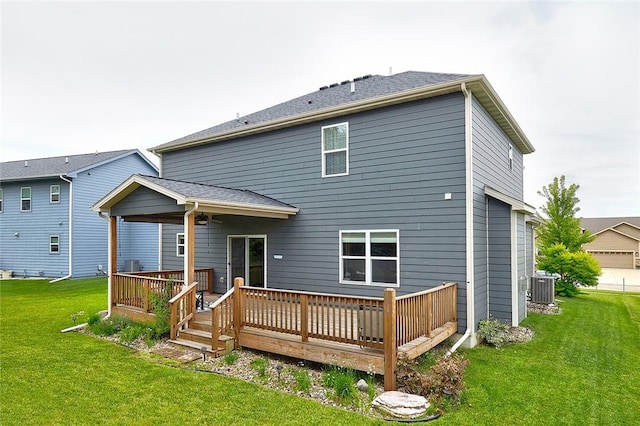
(151,199)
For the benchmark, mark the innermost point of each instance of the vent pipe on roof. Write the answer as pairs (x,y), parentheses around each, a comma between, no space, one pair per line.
(26,163)
(353,87)
(66,160)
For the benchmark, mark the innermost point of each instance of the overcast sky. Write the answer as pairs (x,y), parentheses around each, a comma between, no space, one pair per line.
(84,76)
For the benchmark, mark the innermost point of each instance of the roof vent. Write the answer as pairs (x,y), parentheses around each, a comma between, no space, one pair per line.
(66,160)
(246,121)
(364,77)
(26,163)
(334,85)
(353,87)
(357,79)
(324,87)
(309,101)
(345,82)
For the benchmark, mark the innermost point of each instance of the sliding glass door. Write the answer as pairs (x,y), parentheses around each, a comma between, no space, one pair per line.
(247,258)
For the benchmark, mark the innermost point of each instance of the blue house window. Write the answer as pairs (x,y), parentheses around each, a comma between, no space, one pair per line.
(180,245)
(369,257)
(54,244)
(25,199)
(54,194)
(335,150)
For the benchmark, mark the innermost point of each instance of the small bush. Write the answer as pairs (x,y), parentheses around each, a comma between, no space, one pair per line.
(303,380)
(132,332)
(493,331)
(444,381)
(342,381)
(231,357)
(260,365)
(94,319)
(161,310)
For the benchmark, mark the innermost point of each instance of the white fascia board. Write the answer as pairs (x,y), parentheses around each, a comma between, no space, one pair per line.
(516,205)
(127,187)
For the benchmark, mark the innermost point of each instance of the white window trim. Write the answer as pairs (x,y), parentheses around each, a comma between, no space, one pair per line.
(22,199)
(51,194)
(345,149)
(51,244)
(178,245)
(1,199)
(369,258)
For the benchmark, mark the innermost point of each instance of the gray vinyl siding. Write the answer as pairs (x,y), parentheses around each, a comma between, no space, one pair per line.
(490,154)
(403,159)
(90,232)
(28,254)
(499,267)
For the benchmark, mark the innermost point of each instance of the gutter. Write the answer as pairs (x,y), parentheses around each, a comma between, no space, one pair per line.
(70,182)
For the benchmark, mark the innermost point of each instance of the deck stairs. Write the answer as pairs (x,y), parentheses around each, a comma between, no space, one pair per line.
(198,336)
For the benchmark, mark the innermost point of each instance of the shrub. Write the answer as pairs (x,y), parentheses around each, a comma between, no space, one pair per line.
(94,319)
(342,381)
(132,332)
(493,331)
(444,381)
(231,357)
(260,365)
(303,381)
(110,326)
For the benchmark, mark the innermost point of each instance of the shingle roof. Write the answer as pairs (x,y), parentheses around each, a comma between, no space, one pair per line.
(55,166)
(597,224)
(366,87)
(199,191)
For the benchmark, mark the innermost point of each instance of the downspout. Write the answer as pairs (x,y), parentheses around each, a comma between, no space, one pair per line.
(70,182)
(468,147)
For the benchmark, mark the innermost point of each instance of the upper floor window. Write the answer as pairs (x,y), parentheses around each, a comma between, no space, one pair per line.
(54,194)
(25,199)
(54,244)
(369,257)
(335,150)
(1,198)
(180,244)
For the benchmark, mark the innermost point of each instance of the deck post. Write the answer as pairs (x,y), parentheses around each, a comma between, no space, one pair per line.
(238,308)
(390,339)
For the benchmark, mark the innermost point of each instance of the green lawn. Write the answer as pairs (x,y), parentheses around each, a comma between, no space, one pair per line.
(582,367)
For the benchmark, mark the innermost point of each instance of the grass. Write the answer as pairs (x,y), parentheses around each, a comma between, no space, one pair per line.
(51,378)
(581,368)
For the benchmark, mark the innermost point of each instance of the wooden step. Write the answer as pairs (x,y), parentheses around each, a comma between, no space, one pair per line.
(195,335)
(195,346)
(201,325)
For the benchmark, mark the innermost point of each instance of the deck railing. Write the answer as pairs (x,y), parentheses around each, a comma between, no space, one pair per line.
(183,308)
(135,290)
(222,317)
(203,276)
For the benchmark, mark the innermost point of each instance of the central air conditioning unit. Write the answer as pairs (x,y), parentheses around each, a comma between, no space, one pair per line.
(543,290)
(370,323)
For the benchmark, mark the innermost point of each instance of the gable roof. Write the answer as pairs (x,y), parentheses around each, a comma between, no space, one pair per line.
(66,165)
(361,94)
(598,224)
(207,198)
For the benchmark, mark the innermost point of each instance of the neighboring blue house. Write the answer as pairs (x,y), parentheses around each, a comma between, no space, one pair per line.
(403,181)
(47,227)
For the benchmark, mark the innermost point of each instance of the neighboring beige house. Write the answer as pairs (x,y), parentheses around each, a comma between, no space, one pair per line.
(617,243)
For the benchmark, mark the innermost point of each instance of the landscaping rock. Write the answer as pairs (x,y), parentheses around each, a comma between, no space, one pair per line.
(362,385)
(402,405)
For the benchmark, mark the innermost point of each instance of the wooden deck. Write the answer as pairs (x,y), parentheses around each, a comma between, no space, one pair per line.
(363,333)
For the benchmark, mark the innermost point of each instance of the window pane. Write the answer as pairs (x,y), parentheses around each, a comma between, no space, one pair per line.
(384,271)
(353,244)
(26,205)
(354,269)
(336,163)
(25,192)
(335,137)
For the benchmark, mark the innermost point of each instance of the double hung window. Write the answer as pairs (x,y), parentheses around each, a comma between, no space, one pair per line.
(54,194)
(335,150)
(369,257)
(54,244)
(25,199)
(180,244)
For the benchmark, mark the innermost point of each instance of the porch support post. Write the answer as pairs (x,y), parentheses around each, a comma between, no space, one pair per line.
(112,262)
(238,309)
(390,340)
(189,251)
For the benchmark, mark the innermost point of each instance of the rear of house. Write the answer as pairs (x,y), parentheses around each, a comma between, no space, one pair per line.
(404,181)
